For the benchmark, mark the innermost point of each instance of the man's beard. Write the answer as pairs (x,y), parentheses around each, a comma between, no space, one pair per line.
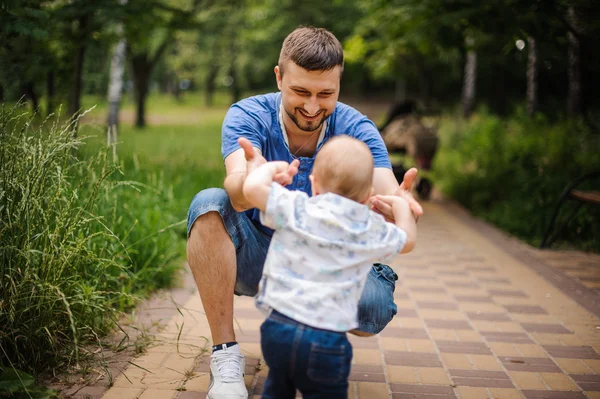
(307,126)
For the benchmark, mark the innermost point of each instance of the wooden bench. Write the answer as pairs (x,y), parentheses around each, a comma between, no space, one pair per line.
(570,193)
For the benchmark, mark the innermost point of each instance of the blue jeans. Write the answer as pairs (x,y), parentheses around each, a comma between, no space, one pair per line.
(376,307)
(314,361)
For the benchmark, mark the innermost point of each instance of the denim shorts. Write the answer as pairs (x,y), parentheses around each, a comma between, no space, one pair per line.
(314,361)
(376,307)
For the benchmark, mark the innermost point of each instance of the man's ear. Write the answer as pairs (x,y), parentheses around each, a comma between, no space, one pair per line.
(277,76)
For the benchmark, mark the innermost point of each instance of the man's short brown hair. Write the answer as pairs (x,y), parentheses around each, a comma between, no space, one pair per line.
(314,49)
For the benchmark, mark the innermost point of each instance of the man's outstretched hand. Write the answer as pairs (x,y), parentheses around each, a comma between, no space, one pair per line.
(403,191)
(254,159)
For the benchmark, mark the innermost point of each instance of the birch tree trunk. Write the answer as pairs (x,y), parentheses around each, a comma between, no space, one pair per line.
(531,76)
(470,78)
(574,68)
(115,85)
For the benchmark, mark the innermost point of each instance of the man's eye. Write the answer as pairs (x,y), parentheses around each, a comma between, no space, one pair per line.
(325,95)
(301,92)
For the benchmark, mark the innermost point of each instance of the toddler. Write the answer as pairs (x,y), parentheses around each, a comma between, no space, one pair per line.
(320,255)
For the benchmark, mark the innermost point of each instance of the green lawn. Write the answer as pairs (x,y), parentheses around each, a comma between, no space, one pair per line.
(181,144)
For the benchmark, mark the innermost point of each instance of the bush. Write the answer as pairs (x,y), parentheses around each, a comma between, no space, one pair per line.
(511,172)
(78,243)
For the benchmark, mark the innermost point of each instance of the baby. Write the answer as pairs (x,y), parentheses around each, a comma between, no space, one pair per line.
(320,255)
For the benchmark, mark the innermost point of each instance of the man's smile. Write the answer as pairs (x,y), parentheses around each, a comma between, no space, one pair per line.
(310,117)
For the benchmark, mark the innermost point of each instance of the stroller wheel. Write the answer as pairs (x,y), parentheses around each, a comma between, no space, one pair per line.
(424,189)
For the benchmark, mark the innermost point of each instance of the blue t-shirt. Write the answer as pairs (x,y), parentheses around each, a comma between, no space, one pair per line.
(256,118)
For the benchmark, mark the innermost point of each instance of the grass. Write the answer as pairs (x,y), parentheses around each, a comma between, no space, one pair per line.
(83,235)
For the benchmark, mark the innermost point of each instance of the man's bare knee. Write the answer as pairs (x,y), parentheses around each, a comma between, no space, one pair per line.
(210,223)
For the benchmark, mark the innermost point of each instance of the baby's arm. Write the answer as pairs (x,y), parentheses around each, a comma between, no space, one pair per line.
(258,183)
(403,217)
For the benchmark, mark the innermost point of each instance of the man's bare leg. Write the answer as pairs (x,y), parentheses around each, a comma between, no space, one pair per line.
(211,256)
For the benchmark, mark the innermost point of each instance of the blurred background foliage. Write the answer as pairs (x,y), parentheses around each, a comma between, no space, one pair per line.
(510,86)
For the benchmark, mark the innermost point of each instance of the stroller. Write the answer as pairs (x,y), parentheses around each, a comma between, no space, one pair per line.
(404,133)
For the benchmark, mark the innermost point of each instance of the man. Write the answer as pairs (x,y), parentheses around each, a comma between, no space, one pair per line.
(227,244)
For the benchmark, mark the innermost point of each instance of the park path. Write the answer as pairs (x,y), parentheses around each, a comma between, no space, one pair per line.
(480,315)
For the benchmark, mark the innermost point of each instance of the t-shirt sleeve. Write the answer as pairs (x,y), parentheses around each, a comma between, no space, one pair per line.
(353,123)
(281,204)
(241,121)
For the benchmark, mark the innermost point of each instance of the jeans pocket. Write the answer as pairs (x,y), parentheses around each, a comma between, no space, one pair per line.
(328,364)
(386,273)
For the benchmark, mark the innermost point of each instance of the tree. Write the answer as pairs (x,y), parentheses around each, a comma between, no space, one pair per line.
(25,35)
(574,70)
(150,29)
(531,76)
(117,68)
(470,78)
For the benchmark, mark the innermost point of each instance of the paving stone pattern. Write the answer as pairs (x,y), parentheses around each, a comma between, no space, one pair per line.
(474,321)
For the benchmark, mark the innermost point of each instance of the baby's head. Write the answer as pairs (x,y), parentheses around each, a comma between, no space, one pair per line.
(344,166)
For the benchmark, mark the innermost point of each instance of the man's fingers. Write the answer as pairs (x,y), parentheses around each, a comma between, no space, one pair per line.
(409,178)
(382,207)
(247,147)
(415,207)
(386,199)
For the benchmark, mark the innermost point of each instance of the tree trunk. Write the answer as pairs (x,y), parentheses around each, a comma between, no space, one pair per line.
(531,76)
(141,79)
(142,65)
(210,83)
(470,78)
(75,103)
(29,92)
(400,90)
(1,93)
(50,91)
(574,68)
(115,86)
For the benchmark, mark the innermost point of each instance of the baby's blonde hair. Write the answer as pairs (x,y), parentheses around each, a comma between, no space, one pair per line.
(344,166)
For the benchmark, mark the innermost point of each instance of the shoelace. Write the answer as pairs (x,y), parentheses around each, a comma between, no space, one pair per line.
(228,366)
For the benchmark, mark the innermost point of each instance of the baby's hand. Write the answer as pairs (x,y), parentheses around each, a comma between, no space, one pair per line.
(384,204)
(287,176)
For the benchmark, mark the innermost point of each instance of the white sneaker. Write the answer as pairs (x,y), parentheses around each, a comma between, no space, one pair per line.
(227,368)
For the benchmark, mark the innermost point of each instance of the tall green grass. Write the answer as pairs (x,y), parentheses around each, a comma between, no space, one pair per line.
(84,235)
(511,172)
(61,264)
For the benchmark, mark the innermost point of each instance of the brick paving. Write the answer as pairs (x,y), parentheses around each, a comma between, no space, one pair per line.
(480,315)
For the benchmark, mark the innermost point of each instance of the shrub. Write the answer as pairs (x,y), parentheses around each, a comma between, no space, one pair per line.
(511,171)
(78,243)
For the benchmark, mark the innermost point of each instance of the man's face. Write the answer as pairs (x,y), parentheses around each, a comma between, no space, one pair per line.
(308,97)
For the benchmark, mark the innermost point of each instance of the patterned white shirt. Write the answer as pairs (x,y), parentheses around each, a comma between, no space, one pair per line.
(320,256)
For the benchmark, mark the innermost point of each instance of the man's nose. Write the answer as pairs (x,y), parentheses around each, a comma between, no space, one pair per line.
(311,106)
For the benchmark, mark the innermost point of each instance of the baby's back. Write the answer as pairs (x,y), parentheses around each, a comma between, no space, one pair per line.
(320,257)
